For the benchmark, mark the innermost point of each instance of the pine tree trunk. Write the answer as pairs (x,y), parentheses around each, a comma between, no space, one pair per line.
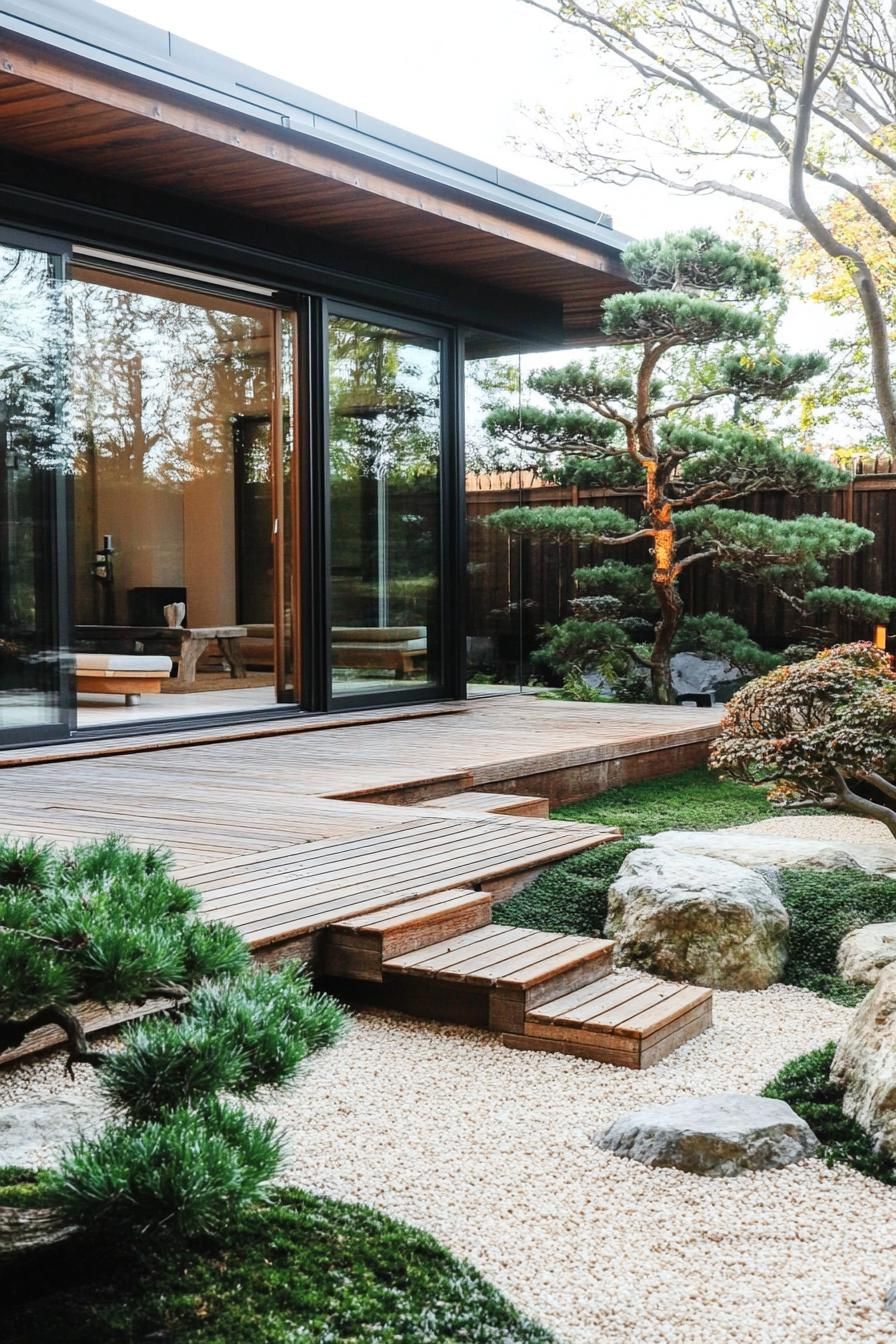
(665,585)
(671,609)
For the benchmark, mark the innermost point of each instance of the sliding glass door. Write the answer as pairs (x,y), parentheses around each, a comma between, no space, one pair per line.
(182,426)
(385,442)
(34,463)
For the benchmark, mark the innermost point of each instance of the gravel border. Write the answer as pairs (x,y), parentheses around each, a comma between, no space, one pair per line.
(490,1150)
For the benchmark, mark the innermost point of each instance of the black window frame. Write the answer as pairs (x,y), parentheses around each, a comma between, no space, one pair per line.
(449,680)
(56,492)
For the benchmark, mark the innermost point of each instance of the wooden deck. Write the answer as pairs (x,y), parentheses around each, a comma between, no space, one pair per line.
(294,834)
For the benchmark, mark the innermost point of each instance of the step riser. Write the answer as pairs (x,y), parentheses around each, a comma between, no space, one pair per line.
(359,954)
(433,1001)
(508,1007)
(610,1048)
(502,888)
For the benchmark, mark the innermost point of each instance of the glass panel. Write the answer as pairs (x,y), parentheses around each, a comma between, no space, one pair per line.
(176,405)
(33,453)
(385,440)
(502,616)
(286,509)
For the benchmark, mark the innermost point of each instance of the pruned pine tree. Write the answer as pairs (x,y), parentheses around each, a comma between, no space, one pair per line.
(110,923)
(620,430)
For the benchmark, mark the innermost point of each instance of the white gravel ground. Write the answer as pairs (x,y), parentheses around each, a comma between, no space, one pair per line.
(490,1149)
(832,827)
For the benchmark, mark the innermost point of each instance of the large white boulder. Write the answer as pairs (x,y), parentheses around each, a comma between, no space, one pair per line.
(708,921)
(865,1063)
(865,952)
(712,1136)
(755,850)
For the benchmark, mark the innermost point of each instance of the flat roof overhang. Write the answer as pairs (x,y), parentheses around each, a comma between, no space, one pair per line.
(151,130)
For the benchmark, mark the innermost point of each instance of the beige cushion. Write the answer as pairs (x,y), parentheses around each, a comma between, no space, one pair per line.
(123,664)
(394,645)
(385,634)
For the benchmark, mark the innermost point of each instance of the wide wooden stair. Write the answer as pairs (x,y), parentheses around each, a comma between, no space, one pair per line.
(400,913)
(440,956)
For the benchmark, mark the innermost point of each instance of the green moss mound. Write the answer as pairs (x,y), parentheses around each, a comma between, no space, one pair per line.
(805,1085)
(23,1189)
(571,897)
(823,908)
(301,1270)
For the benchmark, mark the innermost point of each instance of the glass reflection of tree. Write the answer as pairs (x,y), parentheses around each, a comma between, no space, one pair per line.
(157,382)
(33,441)
(385,437)
(385,407)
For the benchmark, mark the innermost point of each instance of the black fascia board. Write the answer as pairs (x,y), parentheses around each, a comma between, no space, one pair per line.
(104,36)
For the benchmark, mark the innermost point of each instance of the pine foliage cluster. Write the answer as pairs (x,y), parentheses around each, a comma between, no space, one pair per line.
(108,922)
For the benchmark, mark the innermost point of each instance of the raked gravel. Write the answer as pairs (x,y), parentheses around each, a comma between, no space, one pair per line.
(491,1150)
(831,827)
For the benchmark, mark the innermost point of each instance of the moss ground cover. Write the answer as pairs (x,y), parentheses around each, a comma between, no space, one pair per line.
(823,908)
(299,1270)
(571,897)
(805,1085)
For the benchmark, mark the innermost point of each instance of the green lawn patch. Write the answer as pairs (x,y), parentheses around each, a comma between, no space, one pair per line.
(571,897)
(300,1270)
(805,1085)
(823,908)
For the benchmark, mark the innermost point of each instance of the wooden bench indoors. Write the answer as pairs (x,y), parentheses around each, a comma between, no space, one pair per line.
(396,648)
(127,674)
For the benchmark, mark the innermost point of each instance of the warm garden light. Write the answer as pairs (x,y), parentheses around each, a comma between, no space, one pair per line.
(880,636)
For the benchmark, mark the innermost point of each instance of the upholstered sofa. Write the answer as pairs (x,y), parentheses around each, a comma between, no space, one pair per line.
(399,648)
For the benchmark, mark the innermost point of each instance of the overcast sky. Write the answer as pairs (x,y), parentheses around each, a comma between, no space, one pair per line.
(461,72)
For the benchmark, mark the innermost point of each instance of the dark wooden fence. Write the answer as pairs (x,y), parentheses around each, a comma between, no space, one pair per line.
(518,585)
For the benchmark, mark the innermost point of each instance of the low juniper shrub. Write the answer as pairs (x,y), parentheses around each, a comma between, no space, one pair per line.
(192,1171)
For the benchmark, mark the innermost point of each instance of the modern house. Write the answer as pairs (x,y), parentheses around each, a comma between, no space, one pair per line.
(234,324)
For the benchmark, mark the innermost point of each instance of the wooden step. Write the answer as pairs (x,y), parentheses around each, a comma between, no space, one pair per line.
(516,968)
(501,804)
(357,946)
(627,1019)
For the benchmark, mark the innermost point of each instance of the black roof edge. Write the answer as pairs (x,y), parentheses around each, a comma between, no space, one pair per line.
(107,37)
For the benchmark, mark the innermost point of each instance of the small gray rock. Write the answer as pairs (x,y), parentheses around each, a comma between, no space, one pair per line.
(890,1300)
(33,1132)
(712,1136)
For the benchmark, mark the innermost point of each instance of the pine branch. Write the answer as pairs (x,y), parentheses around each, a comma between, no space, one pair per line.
(13,1033)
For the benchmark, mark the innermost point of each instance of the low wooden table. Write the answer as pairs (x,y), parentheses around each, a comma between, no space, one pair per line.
(187,643)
